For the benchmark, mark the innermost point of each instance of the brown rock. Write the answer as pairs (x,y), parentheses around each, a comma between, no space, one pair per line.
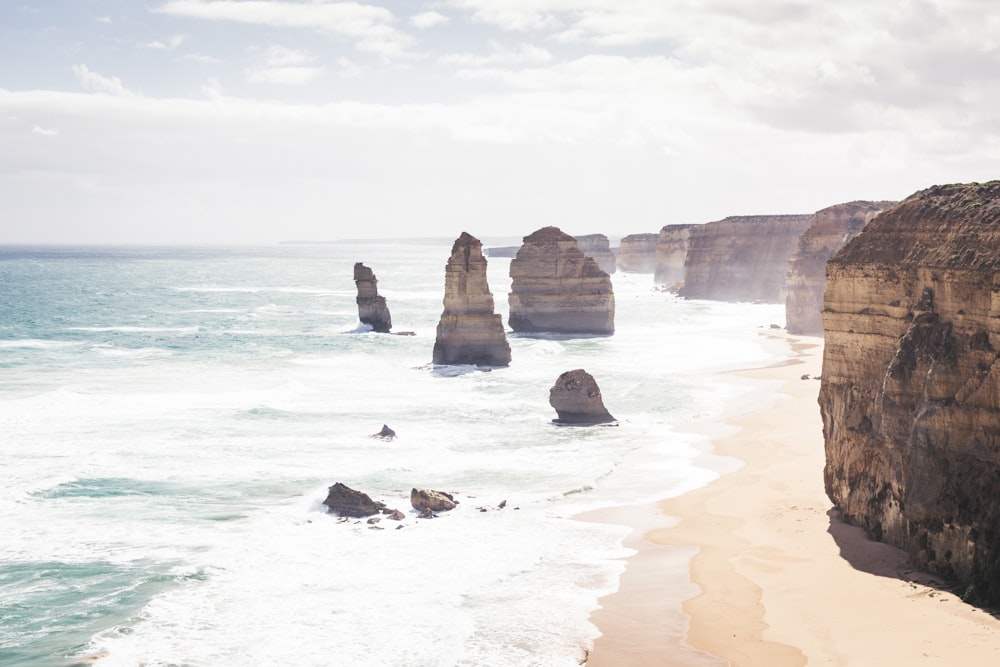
(556,288)
(577,399)
(372,309)
(910,390)
(598,247)
(346,502)
(434,501)
(469,332)
(637,253)
(671,251)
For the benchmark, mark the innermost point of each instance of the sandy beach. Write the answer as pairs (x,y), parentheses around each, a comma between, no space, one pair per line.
(775,579)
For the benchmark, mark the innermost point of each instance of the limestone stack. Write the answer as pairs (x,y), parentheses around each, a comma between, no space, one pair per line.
(577,399)
(671,251)
(741,258)
(910,393)
(372,309)
(556,288)
(598,247)
(827,233)
(637,253)
(469,332)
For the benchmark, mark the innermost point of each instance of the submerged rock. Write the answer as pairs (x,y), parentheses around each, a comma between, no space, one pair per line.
(430,500)
(577,399)
(372,308)
(347,502)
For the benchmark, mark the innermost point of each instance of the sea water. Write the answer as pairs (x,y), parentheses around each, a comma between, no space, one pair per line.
(171,418)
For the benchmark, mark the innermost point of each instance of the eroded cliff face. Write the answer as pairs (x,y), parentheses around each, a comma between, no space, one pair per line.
(910,393)
(828,231)
(671,250)
(598,247)
(557,288)
(469,332)
(637,253)
(741,258)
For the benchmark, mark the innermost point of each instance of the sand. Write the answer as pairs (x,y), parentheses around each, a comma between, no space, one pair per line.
(775,578)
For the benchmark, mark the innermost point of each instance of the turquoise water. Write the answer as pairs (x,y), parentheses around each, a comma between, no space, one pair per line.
(170,419)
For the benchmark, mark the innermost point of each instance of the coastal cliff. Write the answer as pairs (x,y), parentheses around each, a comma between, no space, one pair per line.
(469,331)
(372,309)
(598,247)
(637,253)
(556,288)
(741,258)
(910,393)
(828,231)
(671,251)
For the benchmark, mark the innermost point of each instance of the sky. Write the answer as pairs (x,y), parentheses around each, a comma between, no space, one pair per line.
(261,121)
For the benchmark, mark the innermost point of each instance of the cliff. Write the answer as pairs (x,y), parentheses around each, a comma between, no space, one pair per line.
(741,258)
(372,309)
(469,332)
(910,393)
(828,231)
(637,253)
(598,247)
(671,251)
(557,288)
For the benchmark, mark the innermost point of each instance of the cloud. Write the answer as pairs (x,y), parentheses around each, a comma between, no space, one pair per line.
(501,55)
(105,19)
(169,45)
(94,82)
(200,58)
(284,66)
(370,26)
(428,19)
(44,131)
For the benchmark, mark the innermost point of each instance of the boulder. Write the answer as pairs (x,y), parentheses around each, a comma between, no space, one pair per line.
(577,399)
(469,331)
(346,502)
(429,500)
(372,309)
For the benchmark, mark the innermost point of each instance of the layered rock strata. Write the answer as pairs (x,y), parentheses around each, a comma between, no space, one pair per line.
(469,331)
(741,258)
(598,247)
(372,309)
(671,251)
(556,288)
(577,399)
(828,231)
(910,393)
(637,253)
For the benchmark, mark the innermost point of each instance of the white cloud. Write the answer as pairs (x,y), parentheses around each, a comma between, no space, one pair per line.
(280,56)
(348,69)
(105,19)
(428,19)
(200,58)
(169,45)
(45,131)
(500,55)
(370,26)
(286,76)
(94,82)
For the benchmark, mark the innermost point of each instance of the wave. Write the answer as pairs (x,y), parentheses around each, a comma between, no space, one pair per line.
(34,343)
(134,329)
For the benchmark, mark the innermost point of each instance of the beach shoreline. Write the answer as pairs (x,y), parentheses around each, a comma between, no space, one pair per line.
(773,577)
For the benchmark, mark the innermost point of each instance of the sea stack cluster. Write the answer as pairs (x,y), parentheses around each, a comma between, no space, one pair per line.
(372,309)
(556,288)
(910,393)
(469,331)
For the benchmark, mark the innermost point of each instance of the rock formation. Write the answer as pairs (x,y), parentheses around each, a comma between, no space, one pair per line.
(345,501)
(637,253)
(910,392)
(741,258)
(577,399)
(469,332)
(385,434)
(435,501)
(828,231)
(557,288)
(372,309)
(598,247)
(671,251)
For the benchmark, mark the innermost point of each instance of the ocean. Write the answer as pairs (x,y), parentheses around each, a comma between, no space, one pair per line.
(171,418)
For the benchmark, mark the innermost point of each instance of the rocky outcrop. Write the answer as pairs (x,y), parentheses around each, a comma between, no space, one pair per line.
(469,332)
(671,251)
(372,309)
(435,501)
(577,399)
(598,247)
(741,258)
(555,287)
(345,501)
(385,434)
(637,253)
(828,231)
(910,393)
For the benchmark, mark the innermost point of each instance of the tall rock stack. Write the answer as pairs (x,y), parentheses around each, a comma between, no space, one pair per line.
(827,233)
(598,247)
(741,258)
(910,395)
(637,253)
(556,288)
(671,250)
(469,332)
(372,309)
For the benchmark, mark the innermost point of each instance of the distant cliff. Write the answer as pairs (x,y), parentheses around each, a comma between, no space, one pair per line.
(741,258)
(828,231)
(637,253)
(671,251)
(910,393)
(598,247)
